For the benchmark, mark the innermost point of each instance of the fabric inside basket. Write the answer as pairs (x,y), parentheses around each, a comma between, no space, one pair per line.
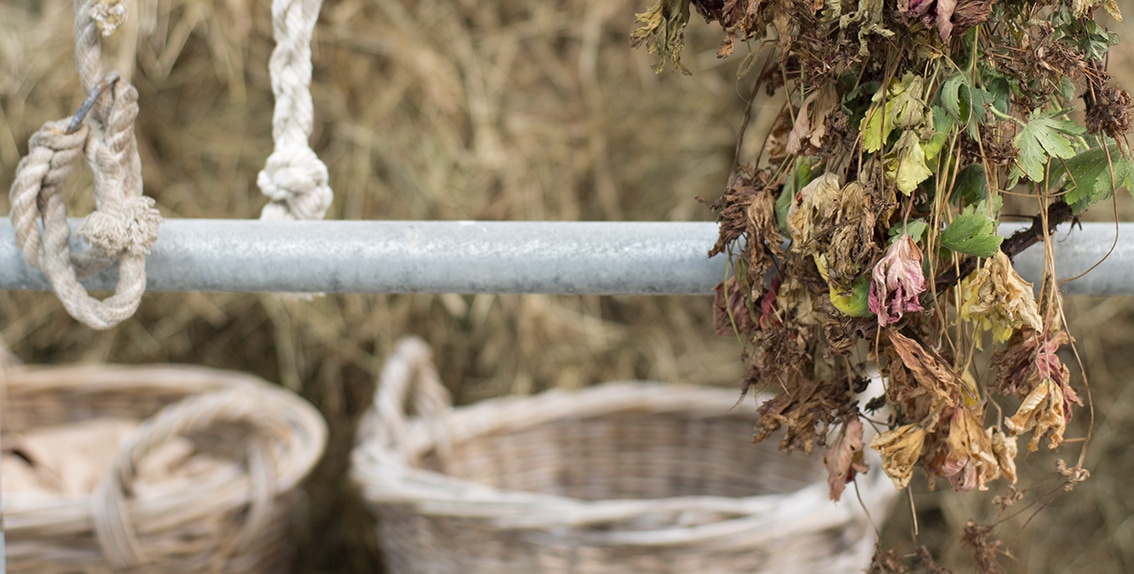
(71,459)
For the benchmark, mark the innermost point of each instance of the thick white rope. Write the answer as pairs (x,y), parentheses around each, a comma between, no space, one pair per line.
(125,223)
(293,178)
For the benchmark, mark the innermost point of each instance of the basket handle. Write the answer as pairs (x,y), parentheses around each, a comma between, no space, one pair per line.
(239,405)
(409,368)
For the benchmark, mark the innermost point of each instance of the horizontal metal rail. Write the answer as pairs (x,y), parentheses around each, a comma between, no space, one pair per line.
(648,258)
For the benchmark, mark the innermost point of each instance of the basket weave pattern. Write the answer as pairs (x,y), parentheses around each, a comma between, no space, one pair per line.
(235,519)
(623,477)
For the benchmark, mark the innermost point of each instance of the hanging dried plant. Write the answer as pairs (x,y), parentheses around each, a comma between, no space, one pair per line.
(907,122)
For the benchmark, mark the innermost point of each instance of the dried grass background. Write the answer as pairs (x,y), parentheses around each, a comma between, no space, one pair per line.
(459,109)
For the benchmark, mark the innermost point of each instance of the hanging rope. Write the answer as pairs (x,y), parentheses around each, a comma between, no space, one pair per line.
(125,223)
(294,178)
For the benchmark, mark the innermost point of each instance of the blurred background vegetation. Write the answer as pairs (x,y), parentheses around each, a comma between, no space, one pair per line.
(462,109)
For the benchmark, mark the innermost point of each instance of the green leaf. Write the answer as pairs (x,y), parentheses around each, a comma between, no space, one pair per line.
(1000,94)
(1096,40)
(971,186)
(967,103)
(1089,176)
(856,90)
(906,164)
(875,131)
(1066,89)
(942,129)
(899,105)
(978,101)
(915,228)
(857,101)
(905,108)
(783,204)
(973,231)
(950,95)
(1045,135)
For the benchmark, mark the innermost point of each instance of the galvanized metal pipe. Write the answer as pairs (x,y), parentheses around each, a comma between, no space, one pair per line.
(414,256)
(1077,250)
(648,258)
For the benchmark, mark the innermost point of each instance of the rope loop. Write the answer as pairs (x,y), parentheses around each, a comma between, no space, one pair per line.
(125,222)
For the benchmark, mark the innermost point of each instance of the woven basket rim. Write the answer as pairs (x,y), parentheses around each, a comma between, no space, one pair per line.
(469,422)
(387,475)
(219,491)
(191,379)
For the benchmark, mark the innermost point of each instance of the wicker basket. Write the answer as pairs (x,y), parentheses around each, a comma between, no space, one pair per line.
(236,518)
(623,477)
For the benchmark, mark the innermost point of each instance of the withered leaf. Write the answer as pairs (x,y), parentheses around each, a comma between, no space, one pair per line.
(811,208)
(970,462)
(1042,413)
(748,207)
(985,548)
(900,449)
(740,21)
(1073,475)
(791,410)
(1082,8)
(930,373)
(801,129)
(969,13)
(1018,366)
(844,457)
(806,405)
(995,298)
(1004,449)
(769,309)
(810,124)
(663,32)
(730,313)
(1030,368)
(869,20)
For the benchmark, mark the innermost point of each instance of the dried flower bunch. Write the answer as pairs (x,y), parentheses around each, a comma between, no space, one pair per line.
(865,230)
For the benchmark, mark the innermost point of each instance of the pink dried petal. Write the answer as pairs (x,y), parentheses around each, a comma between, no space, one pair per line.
(945,9)
(897,282)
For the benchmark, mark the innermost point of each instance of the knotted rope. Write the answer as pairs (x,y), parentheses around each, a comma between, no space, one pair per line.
(293,178)
(124,224)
